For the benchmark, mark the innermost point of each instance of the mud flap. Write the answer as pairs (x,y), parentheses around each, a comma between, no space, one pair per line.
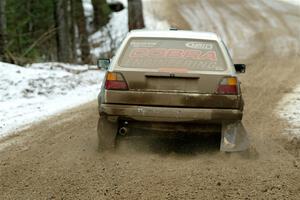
(234,137)
(107,132)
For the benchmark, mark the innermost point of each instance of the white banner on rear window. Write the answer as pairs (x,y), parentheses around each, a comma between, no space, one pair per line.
(193,55)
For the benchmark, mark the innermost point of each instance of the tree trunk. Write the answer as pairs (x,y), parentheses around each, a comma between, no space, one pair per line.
(2,30)
(62,33)
(135,15)
(83,34)
(72,29)
(101,13)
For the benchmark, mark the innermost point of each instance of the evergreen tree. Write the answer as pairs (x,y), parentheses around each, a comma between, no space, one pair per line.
(30,30)
(46,30)
(101,13)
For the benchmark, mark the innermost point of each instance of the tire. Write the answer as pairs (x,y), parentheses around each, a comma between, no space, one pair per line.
(107,132)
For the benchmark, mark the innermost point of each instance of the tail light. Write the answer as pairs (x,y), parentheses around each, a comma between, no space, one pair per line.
(115,81)
(228,85)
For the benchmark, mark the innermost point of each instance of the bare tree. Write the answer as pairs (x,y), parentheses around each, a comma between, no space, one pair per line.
(2,30)
(135,14)
(82,32)
(62,33)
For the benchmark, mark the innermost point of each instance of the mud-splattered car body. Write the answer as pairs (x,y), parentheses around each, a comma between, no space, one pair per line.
(179,81)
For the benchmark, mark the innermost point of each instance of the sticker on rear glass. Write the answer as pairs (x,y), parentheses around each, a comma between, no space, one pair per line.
(199,45)
(172,53)
(143,44)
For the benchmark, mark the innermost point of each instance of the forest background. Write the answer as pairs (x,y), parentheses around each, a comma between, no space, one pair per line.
(58,30)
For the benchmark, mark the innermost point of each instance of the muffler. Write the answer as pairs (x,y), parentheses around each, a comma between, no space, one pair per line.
(123,131)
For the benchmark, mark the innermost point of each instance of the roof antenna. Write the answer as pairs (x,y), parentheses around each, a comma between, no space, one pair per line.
(173,29)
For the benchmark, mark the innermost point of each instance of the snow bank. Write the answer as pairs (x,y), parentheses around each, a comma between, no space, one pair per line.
(40,90)
(29,94)
(289,109)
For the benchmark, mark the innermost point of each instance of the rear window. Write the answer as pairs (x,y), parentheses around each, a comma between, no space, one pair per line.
(182,54)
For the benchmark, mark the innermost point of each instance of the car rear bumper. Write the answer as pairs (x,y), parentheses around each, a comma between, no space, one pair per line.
(174,99)
(170,114)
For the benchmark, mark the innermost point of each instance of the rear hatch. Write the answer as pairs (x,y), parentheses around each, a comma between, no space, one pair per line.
(172,72)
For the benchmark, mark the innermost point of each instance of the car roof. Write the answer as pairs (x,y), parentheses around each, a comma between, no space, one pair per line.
(174,34)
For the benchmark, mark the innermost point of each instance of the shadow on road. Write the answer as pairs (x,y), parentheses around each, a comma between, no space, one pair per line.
(169,143)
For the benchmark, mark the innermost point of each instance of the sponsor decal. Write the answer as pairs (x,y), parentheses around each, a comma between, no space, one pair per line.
(173,53)
(199,45)
(142,44)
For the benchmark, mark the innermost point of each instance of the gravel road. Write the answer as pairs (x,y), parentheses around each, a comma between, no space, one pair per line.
(58,158)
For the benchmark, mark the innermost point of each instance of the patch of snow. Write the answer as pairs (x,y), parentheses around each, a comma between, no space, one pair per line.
(285,45)
(289,106)
(88,13)
(124,2)
(289,109)
(108,39)
(151,21)
(264,12)
(34,92)
(235,33)
(240,34)
(294,2)
(88,8)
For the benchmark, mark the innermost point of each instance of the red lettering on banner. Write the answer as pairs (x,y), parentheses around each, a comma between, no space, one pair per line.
(139,53)
(172,53)
(157,52)
(193,54)
(210,55)
(175,53)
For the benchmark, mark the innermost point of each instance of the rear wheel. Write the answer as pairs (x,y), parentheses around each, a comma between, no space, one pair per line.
(107,132)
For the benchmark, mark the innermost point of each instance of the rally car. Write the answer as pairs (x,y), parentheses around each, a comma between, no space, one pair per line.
(179,81)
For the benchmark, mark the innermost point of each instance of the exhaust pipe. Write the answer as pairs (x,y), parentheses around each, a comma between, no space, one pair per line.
(123,131)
